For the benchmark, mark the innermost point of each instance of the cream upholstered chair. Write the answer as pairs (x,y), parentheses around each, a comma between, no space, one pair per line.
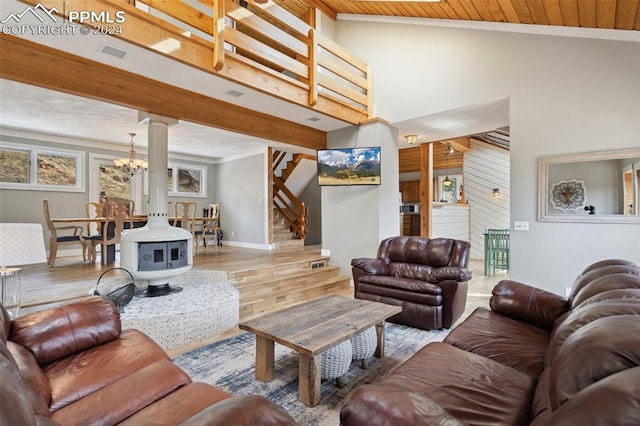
(59,238)
(116,213)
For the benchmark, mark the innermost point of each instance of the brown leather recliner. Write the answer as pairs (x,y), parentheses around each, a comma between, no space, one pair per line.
(427,277)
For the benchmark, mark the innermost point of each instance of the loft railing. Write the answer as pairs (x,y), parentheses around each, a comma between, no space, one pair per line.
(258,45)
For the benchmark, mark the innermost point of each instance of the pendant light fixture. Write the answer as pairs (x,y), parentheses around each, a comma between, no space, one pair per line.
(132,165)
(447,182)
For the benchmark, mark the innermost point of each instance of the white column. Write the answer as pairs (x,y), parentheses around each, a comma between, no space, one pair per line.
(158,148)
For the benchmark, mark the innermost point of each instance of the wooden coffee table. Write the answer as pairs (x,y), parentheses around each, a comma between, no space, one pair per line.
(310,329)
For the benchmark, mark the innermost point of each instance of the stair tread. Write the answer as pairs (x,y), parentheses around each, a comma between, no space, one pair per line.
(291,275)
(290,291)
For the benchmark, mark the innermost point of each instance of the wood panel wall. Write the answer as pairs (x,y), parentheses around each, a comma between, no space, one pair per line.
(486,167)
(409,158)
(450,221)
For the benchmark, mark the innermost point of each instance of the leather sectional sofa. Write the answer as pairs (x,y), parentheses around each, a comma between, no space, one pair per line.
(73,365)
(533,358)
(427,277)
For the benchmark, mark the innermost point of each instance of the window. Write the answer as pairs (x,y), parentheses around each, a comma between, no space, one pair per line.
(187,180)
(40,168)
(184,180)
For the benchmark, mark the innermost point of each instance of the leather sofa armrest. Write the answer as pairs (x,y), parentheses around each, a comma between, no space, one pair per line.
(526,303)
(242,411)
(450,273)
(56,333)
(378,405)
(371,266)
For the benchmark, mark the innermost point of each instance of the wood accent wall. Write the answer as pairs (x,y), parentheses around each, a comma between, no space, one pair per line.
(409,158)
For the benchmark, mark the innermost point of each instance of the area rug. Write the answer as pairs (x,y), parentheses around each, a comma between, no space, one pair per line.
(229,364)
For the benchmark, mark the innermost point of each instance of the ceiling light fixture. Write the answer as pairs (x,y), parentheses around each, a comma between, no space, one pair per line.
(450,150)
(411,139)
(132,165)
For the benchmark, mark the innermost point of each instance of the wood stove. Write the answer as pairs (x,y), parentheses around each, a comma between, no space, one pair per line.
(157,251)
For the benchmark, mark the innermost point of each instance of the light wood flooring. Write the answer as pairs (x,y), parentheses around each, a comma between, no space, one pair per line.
(71,278)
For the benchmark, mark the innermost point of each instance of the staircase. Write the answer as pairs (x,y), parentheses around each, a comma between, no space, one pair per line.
(289,225)
(271,288)
(283,237)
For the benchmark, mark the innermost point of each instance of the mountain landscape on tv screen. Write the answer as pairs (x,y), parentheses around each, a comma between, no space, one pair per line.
(357,166)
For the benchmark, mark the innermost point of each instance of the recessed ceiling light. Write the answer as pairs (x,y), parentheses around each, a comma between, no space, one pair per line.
(235,93)
(113,51)
(314,119)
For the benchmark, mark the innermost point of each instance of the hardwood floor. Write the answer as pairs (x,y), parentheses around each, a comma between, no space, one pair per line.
(71,278)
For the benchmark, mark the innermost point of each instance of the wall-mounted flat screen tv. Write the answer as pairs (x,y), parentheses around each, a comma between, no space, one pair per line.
(349,166)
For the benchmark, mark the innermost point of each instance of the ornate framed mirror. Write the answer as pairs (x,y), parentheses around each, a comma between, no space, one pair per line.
(591,187)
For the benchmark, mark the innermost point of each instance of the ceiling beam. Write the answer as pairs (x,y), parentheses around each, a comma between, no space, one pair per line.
(34,64)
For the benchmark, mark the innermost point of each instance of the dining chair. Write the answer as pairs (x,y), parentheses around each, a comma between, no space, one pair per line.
(185,217)
(64,238)
(498,247)
(116,214)
(92,210)
(212,224)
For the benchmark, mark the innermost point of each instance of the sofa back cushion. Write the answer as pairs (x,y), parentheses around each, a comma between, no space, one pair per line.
(595,351)
(599,270)
(586,314)
(16,406)
(5,323)
(613,281)
(56,333)
(436,252)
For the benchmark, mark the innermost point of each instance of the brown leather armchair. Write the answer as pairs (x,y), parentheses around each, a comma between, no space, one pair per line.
(427,277)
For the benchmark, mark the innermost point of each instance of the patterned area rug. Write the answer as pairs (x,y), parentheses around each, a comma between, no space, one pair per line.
(229,364)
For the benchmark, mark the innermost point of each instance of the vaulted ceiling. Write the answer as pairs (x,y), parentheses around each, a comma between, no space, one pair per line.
(606,14)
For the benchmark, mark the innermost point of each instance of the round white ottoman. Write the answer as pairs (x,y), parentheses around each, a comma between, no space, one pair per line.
(335,361)
(364,345)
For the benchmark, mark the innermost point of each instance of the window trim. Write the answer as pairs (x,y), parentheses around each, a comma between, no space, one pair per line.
(34,151)
(173,193)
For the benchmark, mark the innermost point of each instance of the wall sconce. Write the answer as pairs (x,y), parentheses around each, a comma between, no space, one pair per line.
(411,139)
(495,192)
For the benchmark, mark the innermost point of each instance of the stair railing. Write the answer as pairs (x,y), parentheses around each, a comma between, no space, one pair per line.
(293,211)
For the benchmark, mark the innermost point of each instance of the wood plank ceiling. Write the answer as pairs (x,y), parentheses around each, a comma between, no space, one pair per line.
(607,14)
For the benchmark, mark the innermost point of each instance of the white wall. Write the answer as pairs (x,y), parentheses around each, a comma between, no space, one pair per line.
(356,218)
(240,188)
(567,95)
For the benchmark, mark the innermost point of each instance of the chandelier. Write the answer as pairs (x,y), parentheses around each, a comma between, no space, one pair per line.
(132,165)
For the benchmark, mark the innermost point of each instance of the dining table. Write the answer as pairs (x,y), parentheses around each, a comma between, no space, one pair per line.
(138,220)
